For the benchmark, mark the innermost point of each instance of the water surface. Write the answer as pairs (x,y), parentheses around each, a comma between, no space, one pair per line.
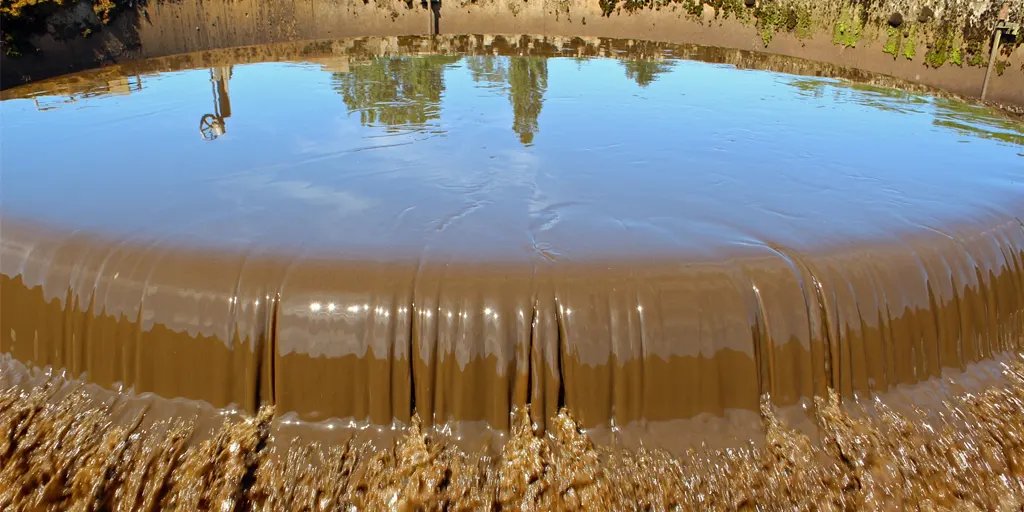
(502,157)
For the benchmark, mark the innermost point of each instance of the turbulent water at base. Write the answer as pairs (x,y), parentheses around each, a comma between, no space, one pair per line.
(496,242)
(72,447)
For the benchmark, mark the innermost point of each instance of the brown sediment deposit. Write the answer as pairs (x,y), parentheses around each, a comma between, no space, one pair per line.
(73,446)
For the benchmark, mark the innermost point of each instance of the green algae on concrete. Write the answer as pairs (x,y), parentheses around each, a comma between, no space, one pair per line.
(954,31)
(849,28)
(1001,66)
(770,17)
(976,54)
(695,8)
(947,47)
(803,22)
(735,9)
(893,42)
(910,45)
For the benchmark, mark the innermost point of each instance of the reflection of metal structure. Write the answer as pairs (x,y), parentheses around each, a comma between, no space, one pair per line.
(64,93)
(212,125)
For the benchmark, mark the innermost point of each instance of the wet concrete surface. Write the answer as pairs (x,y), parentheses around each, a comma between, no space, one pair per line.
(358,236)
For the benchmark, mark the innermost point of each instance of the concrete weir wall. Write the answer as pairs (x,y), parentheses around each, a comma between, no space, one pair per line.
(939,43)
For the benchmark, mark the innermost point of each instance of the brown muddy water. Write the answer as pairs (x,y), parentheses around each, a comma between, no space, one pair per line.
(588,276)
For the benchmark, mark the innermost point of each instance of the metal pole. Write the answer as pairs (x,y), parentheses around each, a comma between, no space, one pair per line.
(991,61)
(432,18)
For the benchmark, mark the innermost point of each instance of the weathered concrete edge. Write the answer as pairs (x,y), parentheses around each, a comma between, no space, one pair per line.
(784,27)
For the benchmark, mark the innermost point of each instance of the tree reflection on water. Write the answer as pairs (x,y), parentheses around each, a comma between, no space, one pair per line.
(395,92)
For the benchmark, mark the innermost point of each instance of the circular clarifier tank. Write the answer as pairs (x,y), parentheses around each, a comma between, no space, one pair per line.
(374,228)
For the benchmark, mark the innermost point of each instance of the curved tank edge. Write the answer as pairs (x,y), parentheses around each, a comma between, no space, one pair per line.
(473,344)
(944,45)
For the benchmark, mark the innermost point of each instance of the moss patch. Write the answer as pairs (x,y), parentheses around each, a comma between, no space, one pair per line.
(910,45)
(976,54)
(731,8)
(770,18)
(893,42)
(803,22)
(947,47)
(849,28)
(633,5)
(695,8)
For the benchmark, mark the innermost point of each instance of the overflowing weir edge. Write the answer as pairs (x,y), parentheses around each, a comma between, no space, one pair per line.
(237,328)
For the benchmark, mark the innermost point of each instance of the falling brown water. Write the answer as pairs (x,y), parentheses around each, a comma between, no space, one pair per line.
(368,232)
(74,446)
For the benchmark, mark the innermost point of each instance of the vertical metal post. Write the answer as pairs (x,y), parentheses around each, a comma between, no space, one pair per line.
(992,61)
(432,10)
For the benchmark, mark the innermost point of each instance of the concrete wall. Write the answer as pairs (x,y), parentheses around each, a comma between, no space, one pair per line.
(161,28)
